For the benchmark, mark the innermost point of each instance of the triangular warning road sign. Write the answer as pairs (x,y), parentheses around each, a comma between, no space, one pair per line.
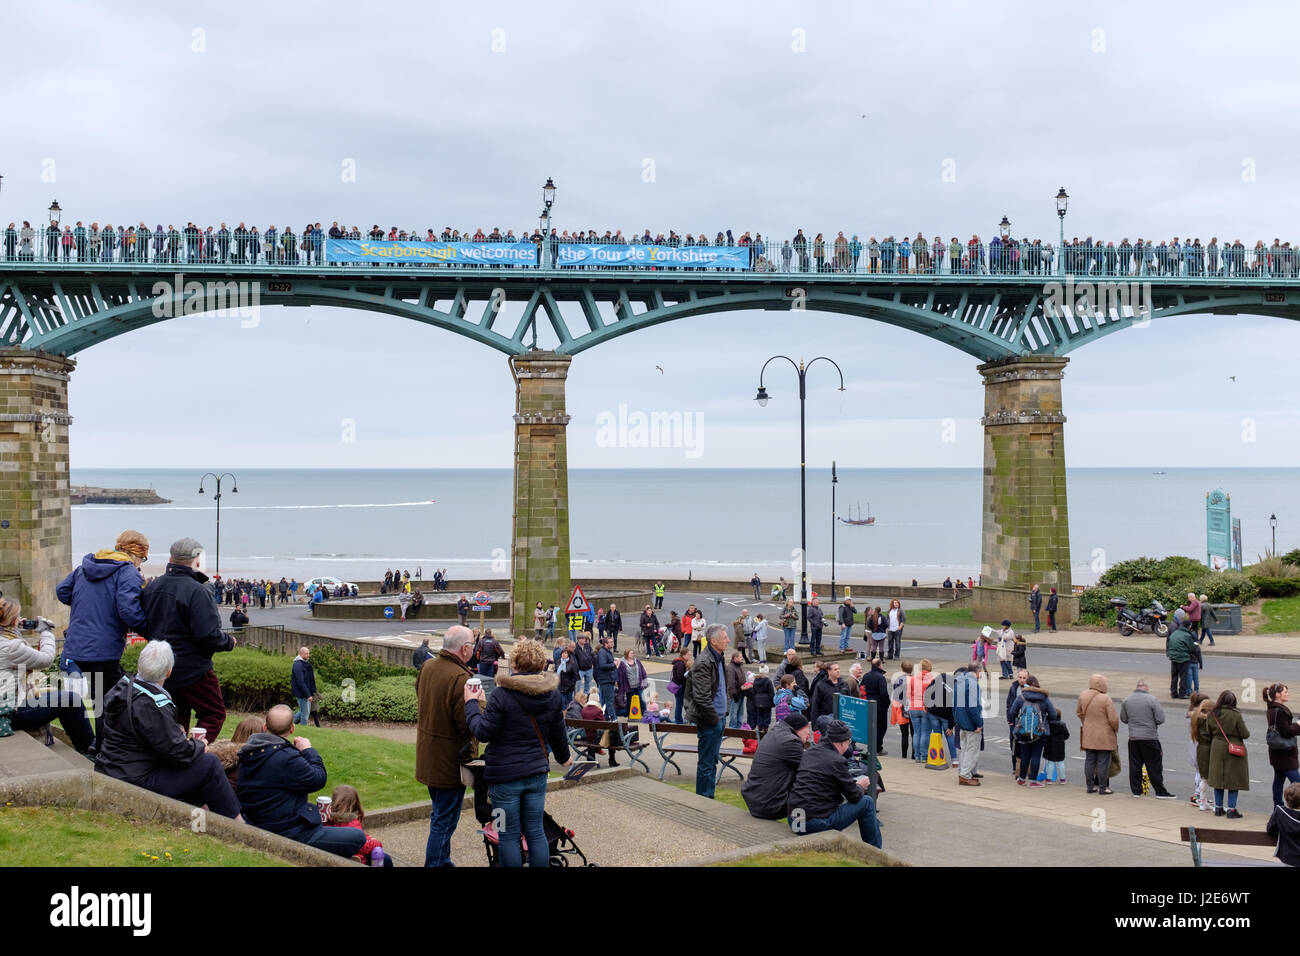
(577,601)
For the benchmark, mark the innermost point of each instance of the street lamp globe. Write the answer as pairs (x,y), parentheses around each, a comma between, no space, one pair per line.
(1062,202)
(761,397)
(1272,521)
(56,213)
(548,192)
(1004,227)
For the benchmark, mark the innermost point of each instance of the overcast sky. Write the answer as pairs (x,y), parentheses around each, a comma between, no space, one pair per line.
(1160,121)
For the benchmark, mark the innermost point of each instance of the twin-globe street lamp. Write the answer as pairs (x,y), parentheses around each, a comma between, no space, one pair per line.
(761,398)
(217,496)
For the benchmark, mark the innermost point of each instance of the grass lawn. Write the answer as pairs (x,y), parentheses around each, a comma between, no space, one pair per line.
(383,771)
(1281,614)
(57,836)
(941,616)
(810,858)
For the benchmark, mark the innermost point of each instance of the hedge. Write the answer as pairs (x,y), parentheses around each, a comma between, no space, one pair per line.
(333,665)
(388,699)
(1276,587)
(255,681)
(1169,581)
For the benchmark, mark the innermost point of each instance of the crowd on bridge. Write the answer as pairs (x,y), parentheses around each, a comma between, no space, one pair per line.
(193,244)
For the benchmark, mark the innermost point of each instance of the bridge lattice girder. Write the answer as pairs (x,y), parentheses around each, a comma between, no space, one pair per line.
(990,317)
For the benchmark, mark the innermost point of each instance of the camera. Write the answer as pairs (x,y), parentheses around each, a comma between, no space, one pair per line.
(34,624)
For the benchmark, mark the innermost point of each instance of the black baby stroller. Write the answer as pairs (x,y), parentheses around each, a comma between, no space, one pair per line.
(558,839)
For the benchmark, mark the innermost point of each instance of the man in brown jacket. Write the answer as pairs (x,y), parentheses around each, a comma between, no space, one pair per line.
(1098,737)
(443,739)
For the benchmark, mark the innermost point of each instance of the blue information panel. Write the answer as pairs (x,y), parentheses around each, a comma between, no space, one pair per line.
(1218,530)
(858,714)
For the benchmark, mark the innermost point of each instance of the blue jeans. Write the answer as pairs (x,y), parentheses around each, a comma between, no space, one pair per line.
(586,680)
(607,700)
(736,712)
(789,637)
(844,636)
(444,814)
(522,802)
(69,711)
(1193,677)
(920,733)
(1206,633)
(303,714)
(341,841)
(677,710)
(1035,622)
(1031,754)
(1232,799)
(863,813)
(1006,670)
(706,766)
(1279,781)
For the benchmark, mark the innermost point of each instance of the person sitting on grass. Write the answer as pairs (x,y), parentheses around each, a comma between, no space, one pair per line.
(276,773)
(227,751)
(144,745)
(345,811)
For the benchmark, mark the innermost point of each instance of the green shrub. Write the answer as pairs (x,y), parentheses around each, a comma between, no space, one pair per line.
(1271,566)
(333,665)
(387,699)
(1134,571)
(1276,587)
(251,680)
(1292,557)
(1094,602)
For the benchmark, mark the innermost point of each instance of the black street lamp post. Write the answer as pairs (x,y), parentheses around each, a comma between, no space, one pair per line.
(234,491)
(1272,523)
(834,481)
(762,398)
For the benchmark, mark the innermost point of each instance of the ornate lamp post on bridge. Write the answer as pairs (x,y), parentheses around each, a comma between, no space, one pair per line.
(834,481)
(56,213)
(1062,204)
(761,398)
(548,200)
(217,496)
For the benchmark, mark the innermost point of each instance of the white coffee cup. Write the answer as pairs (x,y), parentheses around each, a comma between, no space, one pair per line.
(200,734)
(474,682)
(323,806)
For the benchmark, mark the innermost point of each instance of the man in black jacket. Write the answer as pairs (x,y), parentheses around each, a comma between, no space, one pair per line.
(276,772)
(302,684)
(822,785)
(649,628)
(766,791)
(179,609)
(614,624)
(606,675)
(824,691)
(584,659)
(875,686)
(706,706)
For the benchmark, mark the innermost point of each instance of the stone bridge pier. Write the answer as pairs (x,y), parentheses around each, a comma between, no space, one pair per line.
(35,513)
(539,567)
(1026,526)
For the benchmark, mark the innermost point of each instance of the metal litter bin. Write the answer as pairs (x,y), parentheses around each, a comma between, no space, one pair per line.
(1229,616)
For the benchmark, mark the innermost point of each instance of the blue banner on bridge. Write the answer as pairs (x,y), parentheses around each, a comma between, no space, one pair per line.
(433,253)
(650,256)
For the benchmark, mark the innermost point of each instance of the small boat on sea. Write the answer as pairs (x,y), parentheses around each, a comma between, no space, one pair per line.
(868,520)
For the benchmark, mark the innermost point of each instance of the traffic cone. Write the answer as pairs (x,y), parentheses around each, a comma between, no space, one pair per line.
(634,708)
(937,756)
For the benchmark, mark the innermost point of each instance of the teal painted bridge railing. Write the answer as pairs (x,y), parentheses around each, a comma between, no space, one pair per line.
(1013,304)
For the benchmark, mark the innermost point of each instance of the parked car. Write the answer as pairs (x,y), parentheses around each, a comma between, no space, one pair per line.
(329,584)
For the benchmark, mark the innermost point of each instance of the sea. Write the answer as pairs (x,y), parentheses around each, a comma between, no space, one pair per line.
(706,523)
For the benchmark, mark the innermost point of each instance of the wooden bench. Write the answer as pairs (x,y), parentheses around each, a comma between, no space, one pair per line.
(621,728)
(1197,836)
(727,756)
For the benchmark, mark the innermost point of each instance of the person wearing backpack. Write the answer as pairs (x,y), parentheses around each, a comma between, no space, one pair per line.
(1098,736)
(1030,716)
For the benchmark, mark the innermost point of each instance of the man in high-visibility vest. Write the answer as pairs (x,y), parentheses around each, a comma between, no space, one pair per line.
(659,595)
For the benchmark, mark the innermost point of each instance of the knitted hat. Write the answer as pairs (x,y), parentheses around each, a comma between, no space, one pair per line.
(796,721)
(838,732)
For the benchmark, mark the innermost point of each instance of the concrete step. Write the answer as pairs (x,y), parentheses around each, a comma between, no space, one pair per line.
(25,753)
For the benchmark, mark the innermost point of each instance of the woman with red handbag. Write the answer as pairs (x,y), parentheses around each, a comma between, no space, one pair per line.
(1225,730)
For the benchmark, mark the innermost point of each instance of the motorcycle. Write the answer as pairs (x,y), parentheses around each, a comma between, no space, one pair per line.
(1152,620)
